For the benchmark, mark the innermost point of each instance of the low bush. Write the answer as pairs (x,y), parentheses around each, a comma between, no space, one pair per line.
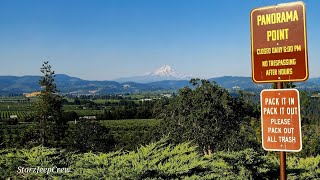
(159,160)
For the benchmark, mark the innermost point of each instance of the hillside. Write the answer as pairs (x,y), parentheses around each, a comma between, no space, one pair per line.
(73,85)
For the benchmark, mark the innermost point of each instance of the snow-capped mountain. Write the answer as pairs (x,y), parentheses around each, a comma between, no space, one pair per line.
(167,71)
(163,73)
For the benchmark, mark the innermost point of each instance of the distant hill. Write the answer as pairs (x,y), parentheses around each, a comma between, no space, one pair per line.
(314,80)
(238,82)
(16,85)
(246,83)
(73,85)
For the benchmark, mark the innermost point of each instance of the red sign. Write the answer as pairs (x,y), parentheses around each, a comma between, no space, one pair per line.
(279,43)
(280,120)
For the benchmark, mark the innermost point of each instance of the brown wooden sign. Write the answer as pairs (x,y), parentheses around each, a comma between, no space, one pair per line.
(279,43)
(280,120)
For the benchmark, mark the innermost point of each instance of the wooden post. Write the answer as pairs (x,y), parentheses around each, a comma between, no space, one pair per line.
(283,162)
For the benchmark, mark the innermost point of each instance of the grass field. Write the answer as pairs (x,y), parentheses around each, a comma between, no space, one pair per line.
(103,101)
(88,112)
(132,123)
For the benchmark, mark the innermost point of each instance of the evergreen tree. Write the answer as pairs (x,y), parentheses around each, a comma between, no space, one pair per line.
(49,109)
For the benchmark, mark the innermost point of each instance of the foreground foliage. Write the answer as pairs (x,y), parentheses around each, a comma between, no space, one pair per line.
(160,160)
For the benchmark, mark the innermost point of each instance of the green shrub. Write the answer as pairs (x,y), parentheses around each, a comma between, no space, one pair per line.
(13,162)
(303,168)
(159,160)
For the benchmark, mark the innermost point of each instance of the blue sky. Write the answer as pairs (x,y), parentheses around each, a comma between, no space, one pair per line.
(107,39)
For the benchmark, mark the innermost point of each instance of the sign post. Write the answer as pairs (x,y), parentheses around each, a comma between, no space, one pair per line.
(283,157)
(279,54)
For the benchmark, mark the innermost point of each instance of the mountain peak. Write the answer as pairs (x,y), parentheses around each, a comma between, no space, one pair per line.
(165,70)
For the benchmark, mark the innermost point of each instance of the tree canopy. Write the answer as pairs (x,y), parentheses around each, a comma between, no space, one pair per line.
(207,115)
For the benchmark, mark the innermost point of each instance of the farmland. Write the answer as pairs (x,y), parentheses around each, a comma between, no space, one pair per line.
(128,119)
(126,124)
(14,114)
(20,106)
(128,134)
(16,107)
